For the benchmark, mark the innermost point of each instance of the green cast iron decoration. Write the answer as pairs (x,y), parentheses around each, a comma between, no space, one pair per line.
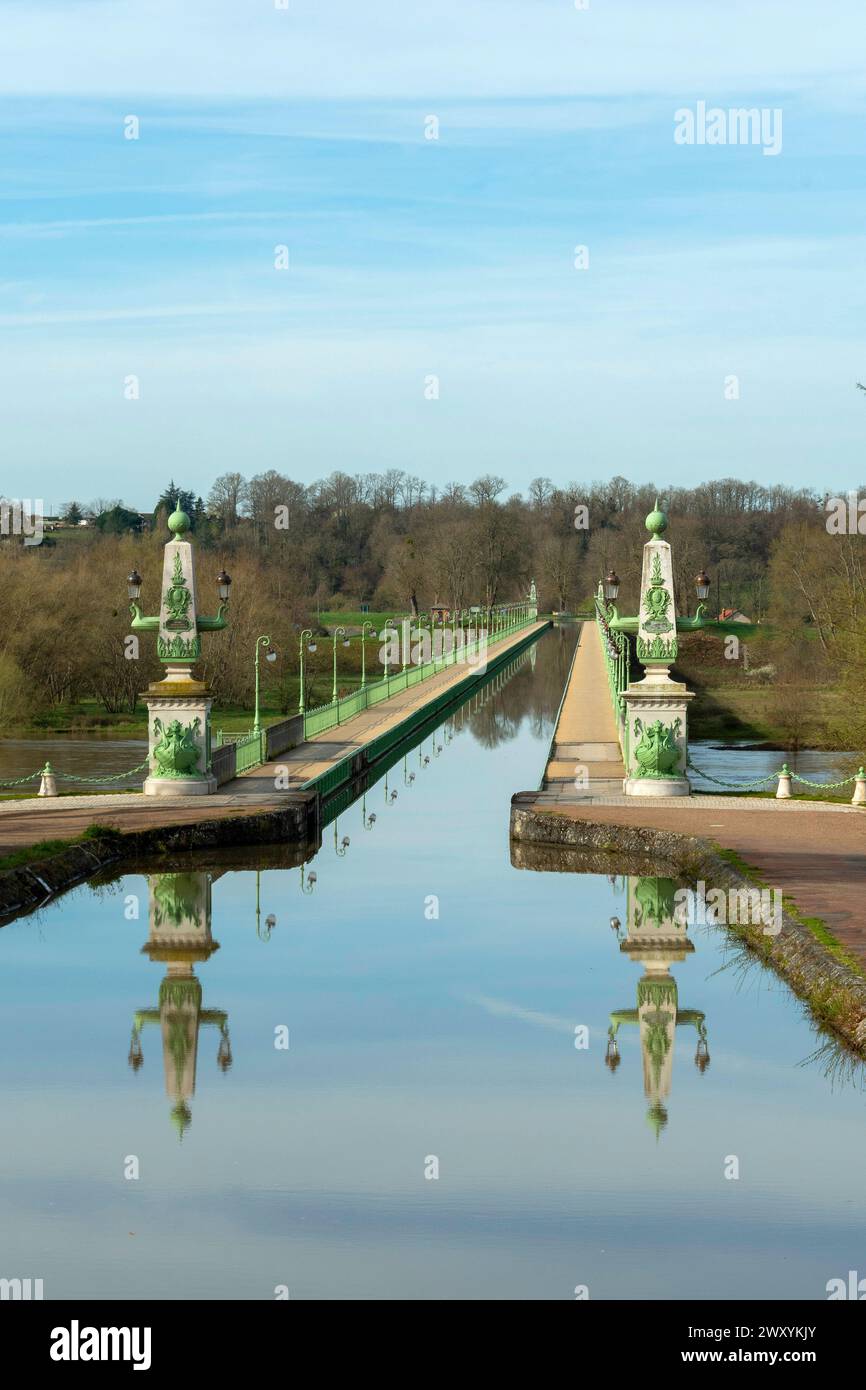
(176,754)
(178,599)
(656,753)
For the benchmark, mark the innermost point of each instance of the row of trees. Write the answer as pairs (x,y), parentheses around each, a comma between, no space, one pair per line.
(394,541)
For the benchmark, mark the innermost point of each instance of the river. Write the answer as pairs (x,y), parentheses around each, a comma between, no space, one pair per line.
(364,1076)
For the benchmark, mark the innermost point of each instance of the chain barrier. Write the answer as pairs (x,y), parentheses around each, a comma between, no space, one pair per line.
(771,776)
(48,771)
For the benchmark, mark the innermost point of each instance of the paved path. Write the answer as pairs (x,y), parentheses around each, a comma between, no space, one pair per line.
(322,751)
(31,819)
(586,734)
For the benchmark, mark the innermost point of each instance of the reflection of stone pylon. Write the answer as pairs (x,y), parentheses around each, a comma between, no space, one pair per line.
(657,936)
(180,935)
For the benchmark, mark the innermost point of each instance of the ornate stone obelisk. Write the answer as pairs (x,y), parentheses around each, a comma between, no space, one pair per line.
(179,705)
(656,706)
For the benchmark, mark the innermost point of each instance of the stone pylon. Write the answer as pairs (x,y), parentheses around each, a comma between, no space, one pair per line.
(656,707)
(179,706)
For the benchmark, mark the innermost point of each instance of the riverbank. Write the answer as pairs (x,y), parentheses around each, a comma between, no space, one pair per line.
(33,873)
(812,856)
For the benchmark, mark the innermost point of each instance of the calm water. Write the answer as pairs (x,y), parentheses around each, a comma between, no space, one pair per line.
(82,757)
(413,1037)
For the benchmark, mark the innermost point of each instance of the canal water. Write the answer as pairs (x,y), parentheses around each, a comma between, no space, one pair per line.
(364,1076)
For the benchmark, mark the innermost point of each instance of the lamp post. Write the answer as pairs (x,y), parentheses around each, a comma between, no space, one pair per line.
(341,847)
(269,656)
(338,632)
(702,589)
(364,627)
(389,627)
(306,635)
(308,880)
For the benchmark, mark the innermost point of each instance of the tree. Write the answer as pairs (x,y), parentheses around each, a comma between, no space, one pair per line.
(227,498)
(72,514)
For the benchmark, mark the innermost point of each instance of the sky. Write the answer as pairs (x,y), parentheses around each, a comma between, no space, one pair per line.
(431,317)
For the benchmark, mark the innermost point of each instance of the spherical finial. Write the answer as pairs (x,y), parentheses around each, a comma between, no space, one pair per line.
(656,523)
(178,522)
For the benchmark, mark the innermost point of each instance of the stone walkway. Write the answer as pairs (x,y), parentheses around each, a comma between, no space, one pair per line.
(586,738)
(813,852)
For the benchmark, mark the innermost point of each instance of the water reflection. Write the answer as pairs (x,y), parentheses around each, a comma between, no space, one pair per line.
(180,936)
(656,937)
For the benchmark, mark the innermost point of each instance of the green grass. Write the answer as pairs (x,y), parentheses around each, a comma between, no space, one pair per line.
(334,618)
(45,849)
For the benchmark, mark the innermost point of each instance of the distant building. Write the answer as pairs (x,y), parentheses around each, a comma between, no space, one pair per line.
(733,615)
(440,613)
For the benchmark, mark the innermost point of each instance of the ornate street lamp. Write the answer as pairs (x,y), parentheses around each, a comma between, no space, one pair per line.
(271,656)
(133,585)
(341,847)
(338,632)
(308,880)
(364,626)
(306,635)
(611,586)
(702,589)
(224,584)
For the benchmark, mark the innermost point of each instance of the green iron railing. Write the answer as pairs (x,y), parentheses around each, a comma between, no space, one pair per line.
(336,712)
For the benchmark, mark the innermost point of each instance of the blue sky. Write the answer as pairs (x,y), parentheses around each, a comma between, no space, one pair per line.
(410,257)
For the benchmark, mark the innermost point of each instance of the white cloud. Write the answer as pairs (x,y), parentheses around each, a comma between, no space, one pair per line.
(388,48)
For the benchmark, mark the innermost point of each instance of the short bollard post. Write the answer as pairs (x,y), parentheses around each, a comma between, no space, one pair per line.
(48,784)
(783,791)
(859,797)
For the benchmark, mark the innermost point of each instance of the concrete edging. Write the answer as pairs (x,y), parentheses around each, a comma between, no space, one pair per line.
(834,991)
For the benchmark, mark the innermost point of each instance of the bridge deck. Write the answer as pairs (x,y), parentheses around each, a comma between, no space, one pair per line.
(32,819)
(586,734)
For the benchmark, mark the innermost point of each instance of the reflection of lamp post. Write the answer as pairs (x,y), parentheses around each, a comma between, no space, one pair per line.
(367,821)
(408,777)
(270,920)
(308,880)
(340,849)
(390,797)
(305,635)
(271,656)
(364,627)
(338,632)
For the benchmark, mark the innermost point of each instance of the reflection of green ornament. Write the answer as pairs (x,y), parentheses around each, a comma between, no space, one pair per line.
(660,993)
(176,899)
(657,1118)
(181,1118)
(655,900)
(183,993)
